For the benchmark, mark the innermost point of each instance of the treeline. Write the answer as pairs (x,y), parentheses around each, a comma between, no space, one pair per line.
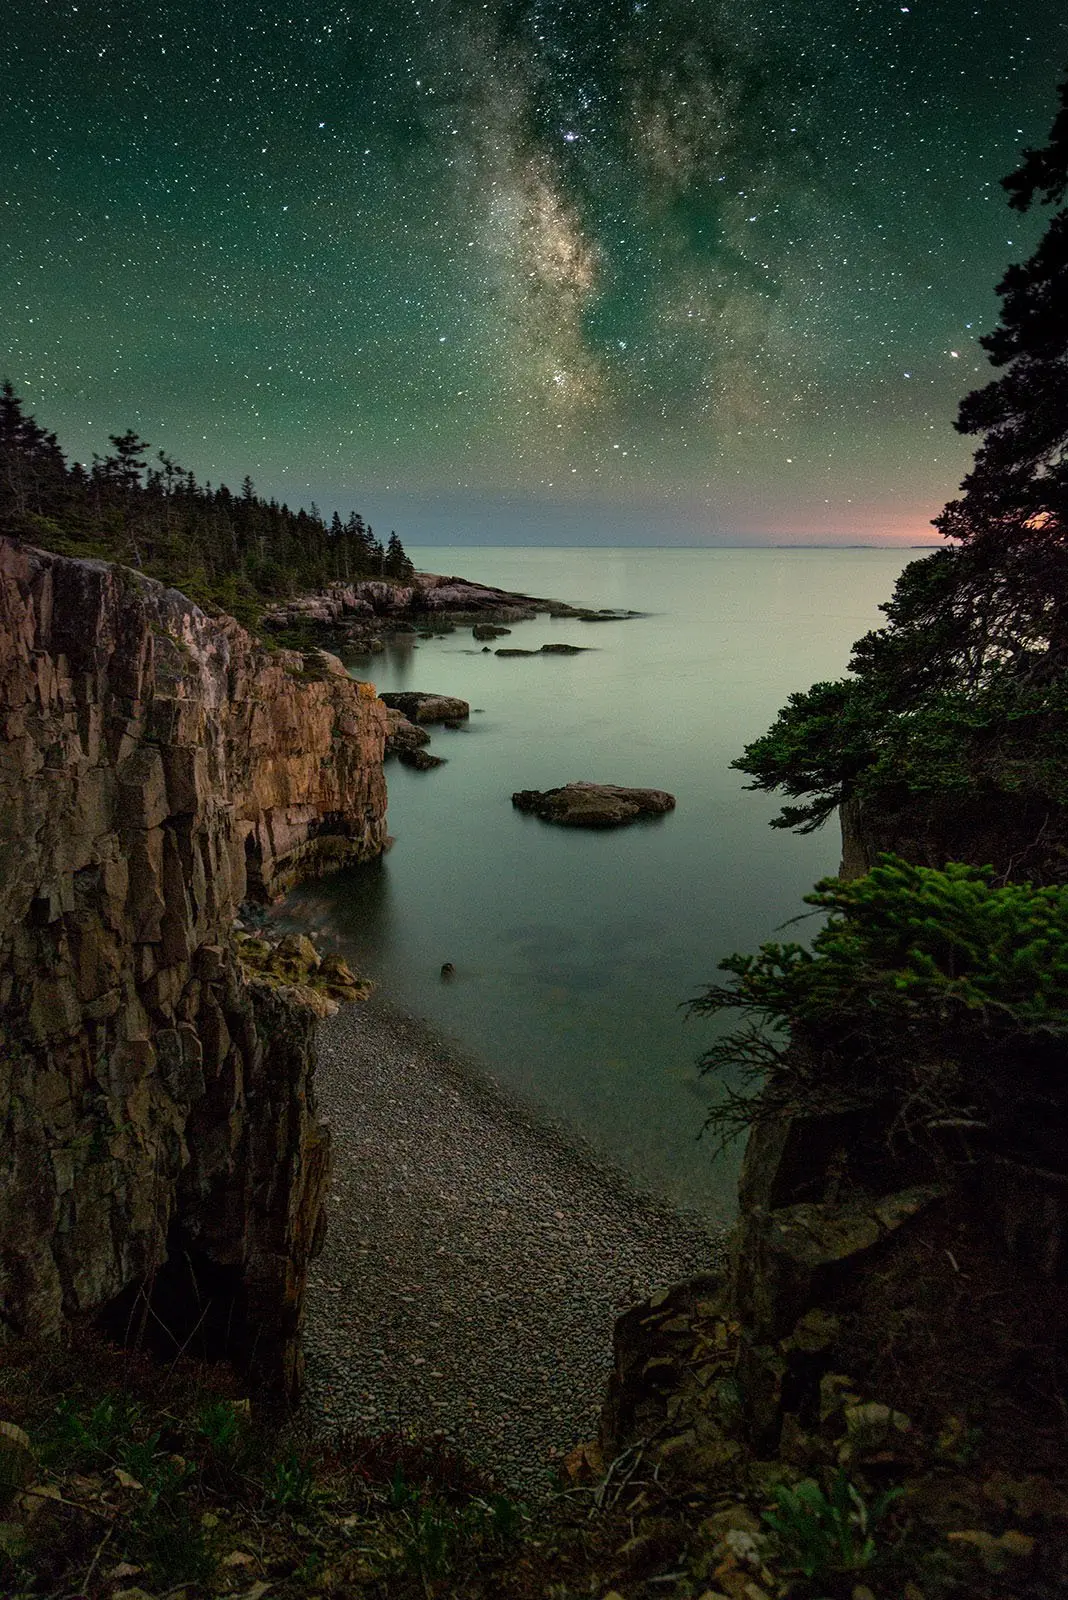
(236,552)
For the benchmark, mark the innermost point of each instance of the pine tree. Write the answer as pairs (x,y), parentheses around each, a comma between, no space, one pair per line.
(32,468)
(967,683)
(125,466)
(396,563)
(1017,490)
(225,549)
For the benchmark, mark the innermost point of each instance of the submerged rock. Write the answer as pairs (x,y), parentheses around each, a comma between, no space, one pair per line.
(489,630)
(593,805)
(605,614)
(547,650)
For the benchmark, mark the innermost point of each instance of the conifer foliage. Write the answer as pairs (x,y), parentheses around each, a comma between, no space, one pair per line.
(1018,486)
(234,552)
(932,998)
(966,686)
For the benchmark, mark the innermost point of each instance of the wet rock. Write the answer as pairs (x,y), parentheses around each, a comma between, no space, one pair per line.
(335,969)
(298,948)
(489,630)
(401,734)
(418,706)
(593,805)
(606,614)
(421,760)
(546,650)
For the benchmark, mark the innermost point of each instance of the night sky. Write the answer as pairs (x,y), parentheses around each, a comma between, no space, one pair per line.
(653,271)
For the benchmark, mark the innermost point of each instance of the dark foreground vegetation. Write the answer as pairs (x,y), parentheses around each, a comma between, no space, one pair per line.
(231,552)
(154,1481)
(165,1480)
(934,1002)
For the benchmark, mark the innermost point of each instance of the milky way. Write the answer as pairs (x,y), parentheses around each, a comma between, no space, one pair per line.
(635,269)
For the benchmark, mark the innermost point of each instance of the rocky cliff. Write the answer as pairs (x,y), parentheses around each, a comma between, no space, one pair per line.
(160,1160)
(1020,836)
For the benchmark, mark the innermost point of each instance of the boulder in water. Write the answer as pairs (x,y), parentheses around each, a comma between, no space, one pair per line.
(420,707)
(593,805)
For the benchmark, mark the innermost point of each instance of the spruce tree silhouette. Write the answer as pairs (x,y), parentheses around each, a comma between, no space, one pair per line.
(1017,490)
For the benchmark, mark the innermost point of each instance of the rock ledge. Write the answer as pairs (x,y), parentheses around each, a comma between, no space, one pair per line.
(420,707)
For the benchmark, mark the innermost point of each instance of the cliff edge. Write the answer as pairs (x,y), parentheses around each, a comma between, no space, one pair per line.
(160,1160)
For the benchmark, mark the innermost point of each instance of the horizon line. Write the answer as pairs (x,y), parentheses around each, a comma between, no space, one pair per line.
(517,544)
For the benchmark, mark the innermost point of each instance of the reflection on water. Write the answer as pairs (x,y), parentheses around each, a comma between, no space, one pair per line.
(575,950)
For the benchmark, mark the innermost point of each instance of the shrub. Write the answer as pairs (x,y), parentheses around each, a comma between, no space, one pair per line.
(935,996)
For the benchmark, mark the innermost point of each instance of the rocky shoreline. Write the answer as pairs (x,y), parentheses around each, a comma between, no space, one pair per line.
(476,1258)
(357,619)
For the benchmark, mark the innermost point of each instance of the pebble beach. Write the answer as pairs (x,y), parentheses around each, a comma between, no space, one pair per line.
(476,1256)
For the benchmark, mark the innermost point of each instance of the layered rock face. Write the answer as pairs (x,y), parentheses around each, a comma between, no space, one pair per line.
(157,1125)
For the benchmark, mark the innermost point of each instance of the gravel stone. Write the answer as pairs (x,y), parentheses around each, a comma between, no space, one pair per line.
(476,1256)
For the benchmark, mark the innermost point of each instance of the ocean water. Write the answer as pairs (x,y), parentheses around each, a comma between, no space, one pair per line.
(575,951)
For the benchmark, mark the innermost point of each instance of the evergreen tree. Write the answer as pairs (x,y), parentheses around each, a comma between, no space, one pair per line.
(32,468)
(363,542)
(396,564)
(233,552)
(1017,489)
(126,464)
(966,687)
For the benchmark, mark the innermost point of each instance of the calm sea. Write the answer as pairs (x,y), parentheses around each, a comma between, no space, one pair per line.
(574,950)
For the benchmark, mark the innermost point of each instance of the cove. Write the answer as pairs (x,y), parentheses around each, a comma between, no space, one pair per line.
(574,950)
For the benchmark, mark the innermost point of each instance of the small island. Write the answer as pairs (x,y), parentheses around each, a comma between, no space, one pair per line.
(593,805)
